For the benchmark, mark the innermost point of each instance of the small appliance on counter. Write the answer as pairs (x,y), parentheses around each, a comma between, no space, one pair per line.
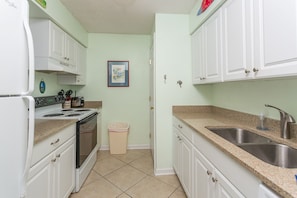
(77,101)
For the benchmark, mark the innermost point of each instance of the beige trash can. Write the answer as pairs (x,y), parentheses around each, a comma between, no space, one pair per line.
(118,137)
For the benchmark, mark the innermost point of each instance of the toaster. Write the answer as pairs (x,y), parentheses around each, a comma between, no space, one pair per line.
(77,101)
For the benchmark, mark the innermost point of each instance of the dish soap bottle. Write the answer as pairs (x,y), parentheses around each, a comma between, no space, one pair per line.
(261,125)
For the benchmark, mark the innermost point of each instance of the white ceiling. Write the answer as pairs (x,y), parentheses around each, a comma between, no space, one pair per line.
(123,16)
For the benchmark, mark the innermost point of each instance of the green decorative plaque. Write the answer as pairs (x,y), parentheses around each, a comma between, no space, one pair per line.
(42,3)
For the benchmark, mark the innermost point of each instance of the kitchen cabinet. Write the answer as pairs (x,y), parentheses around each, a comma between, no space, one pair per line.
(54,49)
(208,181)
(211,173)
(237,40)
(183,158)
(52,173)
(275,38)
(258,42)
(80,77)
(207,51)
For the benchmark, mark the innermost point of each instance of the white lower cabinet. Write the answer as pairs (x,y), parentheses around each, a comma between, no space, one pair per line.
(182,160)
(54,175)
(208,181)
(205,171)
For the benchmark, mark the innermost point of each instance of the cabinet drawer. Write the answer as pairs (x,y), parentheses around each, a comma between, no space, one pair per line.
(43,148)
(183,128)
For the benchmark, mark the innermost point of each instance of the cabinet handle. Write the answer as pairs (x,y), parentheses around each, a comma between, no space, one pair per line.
(59,155)
(54,160)
(55,142)
(247,71)
(179,138)
(180,126)
(208,172)
(202,78)
(255,70)
(214,180)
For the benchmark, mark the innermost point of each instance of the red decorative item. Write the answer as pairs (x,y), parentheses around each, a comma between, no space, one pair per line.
(204,5)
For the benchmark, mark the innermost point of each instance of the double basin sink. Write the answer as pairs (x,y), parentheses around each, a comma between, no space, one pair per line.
(261,147)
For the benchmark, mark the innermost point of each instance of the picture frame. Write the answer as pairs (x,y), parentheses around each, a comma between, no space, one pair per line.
(118,73)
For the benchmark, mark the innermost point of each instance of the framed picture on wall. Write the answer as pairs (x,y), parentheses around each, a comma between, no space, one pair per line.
(118,73)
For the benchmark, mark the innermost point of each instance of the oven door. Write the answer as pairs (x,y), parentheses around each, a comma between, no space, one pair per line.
(86,138)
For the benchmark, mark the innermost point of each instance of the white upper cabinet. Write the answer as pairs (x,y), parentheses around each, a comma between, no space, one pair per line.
(207,51)
(197,57)
(259,40)
(275,38)
(80,78)
(54,49)
(237,40)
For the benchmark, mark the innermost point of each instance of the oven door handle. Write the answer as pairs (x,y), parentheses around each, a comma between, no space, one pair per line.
(90,117)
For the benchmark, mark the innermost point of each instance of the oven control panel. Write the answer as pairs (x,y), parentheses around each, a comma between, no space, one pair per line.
(48,100)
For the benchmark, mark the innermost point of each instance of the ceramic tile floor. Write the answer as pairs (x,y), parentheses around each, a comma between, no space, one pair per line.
(128,176)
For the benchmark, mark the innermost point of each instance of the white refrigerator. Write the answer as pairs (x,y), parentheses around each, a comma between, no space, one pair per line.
(16,104)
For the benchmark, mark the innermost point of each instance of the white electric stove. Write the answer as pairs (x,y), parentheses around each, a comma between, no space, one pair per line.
(50,107)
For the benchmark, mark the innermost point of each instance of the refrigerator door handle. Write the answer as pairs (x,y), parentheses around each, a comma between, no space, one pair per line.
(31,77)
(30,142)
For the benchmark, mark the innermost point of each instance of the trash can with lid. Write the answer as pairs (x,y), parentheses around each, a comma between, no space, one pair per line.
(118,137)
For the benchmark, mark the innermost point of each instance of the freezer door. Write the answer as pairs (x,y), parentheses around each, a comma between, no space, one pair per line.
(15,144)
(16,49)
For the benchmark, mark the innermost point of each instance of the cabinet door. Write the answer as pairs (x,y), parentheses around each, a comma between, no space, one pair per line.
(40,182)
(65,169)
(237,42)
(57,42)
(202,173)
(186,165)
(81,64)
(175,150)
(197,57)
(225,189)
(70,53)
(213,47)
(275,38)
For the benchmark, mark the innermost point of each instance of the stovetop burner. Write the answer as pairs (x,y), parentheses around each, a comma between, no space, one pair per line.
(80,110)
(53,115)
(73,115)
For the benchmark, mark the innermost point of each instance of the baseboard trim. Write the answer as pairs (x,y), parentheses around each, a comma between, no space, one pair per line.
(130,147)
(164,171)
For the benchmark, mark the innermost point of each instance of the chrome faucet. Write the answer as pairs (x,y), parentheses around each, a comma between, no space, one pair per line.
(285,119)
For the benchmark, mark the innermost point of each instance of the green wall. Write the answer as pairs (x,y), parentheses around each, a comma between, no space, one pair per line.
(250,96)
(128,104)
(173,59)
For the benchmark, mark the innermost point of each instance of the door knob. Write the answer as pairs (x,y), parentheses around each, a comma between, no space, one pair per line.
(152,108)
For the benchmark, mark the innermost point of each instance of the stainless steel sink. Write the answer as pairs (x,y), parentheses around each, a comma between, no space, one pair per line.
(261,147)
(238,135)
(275,154)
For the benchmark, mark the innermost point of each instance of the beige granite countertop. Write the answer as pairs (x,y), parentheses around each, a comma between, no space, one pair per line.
(282,180)
(46,128)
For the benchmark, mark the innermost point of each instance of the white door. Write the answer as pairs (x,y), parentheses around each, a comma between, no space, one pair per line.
(197,57)
(202,176)
(237,42)
(65,169)
(213,47)
(16,45)
(57,43)
(152,101)
(275,37)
